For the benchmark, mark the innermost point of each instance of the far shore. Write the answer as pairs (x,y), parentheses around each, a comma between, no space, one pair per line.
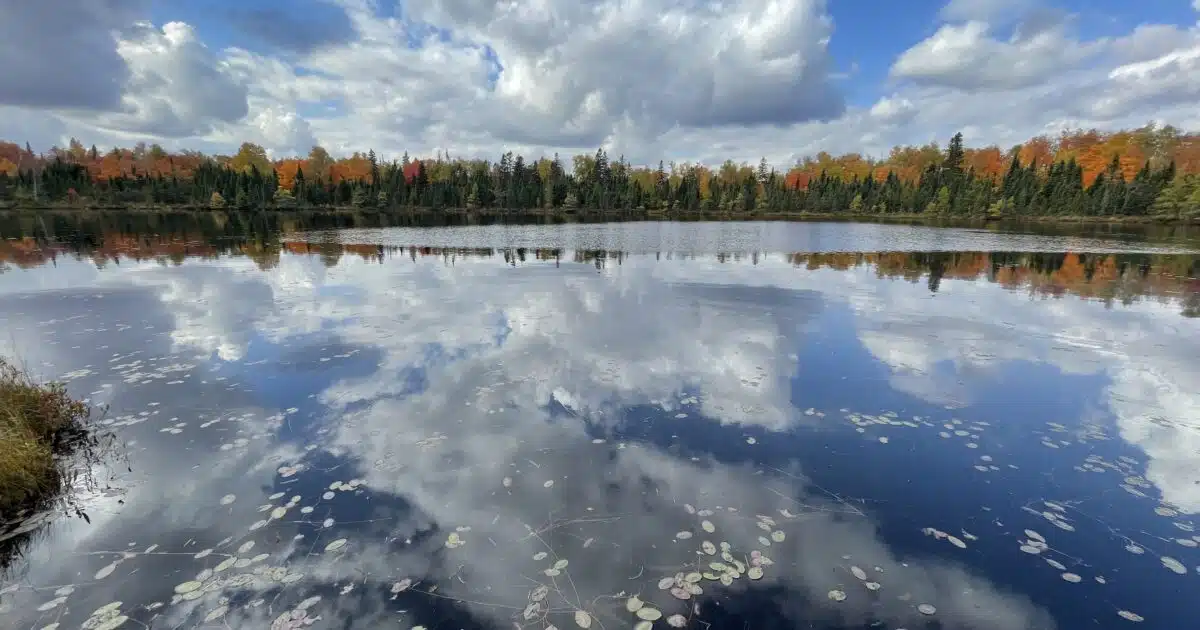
(614,215)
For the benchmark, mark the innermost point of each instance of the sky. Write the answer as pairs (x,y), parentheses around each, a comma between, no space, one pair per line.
(682,80)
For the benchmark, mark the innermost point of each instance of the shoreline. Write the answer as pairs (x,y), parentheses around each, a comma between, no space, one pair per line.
(611,216)
(40,425)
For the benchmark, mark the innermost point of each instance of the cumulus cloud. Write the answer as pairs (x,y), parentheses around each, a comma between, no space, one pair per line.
(650,79)
(968,57)
(177,86)
(63,53)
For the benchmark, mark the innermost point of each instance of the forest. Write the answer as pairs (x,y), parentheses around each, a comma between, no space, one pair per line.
(1150,172)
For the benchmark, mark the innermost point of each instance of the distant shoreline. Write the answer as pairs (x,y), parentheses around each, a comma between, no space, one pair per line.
(612,215)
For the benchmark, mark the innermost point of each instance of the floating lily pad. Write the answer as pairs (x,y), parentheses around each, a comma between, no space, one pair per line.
(677,621)
(1072,578)
(643,625)
(648,613)
(582,619)
(858,573)
(926,609)
(708,548)
(106,570)
(227,499)
(216,613)
(755,573)
(1174,565)
(708,526)
(683,535)
(1130,616)
(561,564)
(778,536)
(633,604)
(837,595)
(188,587)
(52,604)
(541,555)
(338,544)
(666,583)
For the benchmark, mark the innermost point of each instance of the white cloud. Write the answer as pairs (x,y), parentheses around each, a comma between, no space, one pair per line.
(650,79)
(968,57)
(177,87)
(986,10)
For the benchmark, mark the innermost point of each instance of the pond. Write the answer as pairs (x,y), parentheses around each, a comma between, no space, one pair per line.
(703,425)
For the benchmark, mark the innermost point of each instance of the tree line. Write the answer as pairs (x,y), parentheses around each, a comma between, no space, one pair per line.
(1156,175)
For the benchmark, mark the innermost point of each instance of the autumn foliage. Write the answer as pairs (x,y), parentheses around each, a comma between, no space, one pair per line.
(1092,150)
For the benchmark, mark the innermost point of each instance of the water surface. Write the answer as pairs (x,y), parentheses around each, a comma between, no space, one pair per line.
(876,426)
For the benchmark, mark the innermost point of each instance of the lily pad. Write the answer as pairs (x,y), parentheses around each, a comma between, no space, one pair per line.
(926,609)
(648,613)
(1174,565)
(677,621)
(837,595)
(755,573)
(188,587)
(582,619)
(633,604)
(335,545)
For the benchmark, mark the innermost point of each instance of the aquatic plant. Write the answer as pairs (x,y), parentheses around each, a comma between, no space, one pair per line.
(36,422)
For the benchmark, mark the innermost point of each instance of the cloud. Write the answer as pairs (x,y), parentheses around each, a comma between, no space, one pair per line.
(63,53)
(1165,81)
(177,86)
(967,57)
(983,10)
(300,28)
(649,79)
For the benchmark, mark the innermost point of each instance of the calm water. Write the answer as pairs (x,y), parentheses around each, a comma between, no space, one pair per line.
(744,425)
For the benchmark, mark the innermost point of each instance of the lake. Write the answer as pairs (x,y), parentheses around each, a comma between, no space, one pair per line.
(702,425)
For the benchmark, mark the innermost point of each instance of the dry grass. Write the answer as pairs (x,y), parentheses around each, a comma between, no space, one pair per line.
(34,420)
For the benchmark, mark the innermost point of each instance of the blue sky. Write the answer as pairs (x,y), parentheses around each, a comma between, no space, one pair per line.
(647,78)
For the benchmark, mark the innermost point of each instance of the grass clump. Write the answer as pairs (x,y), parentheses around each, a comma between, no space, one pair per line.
(36,421)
